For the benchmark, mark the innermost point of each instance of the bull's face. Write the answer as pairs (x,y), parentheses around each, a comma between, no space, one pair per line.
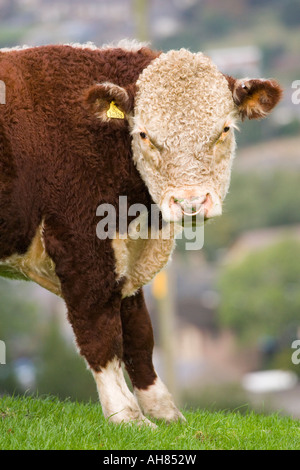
(183,135)
(182,125)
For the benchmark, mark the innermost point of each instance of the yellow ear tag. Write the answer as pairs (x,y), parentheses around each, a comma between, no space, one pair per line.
(114,112)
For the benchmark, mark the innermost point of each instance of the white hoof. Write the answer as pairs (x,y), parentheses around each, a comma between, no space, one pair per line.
(157,402)
(130,417)
(119,405)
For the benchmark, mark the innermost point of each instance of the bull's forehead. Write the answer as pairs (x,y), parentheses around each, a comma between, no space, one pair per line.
(181,92)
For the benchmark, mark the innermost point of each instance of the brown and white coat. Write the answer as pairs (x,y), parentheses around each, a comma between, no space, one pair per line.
(62,155)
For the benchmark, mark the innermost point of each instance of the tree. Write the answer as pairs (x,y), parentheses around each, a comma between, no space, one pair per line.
(60,370)
(255,200)
(18,329)
(36,348)
(260,296)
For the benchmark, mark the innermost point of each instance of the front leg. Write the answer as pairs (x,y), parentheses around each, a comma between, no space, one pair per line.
(153,396)
(99,338)
(93,303)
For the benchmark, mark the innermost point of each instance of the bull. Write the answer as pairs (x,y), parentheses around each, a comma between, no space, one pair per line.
(81,126)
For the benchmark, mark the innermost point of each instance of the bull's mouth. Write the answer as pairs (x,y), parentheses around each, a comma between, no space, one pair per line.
(193,221)
(188,210)
(191,214)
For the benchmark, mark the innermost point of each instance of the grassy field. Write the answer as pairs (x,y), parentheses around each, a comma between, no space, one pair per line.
(46,423)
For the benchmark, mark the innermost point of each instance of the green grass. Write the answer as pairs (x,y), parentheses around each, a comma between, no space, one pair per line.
(46,423)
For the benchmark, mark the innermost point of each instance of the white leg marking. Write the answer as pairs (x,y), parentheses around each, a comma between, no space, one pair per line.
(156,401)
(118,403)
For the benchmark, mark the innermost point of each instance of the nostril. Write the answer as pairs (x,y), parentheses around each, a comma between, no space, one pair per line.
(208,201)
(177,201)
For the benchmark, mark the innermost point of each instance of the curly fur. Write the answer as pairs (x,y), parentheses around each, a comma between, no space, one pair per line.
(61,156)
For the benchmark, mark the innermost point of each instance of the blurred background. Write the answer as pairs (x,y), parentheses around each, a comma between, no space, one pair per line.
(224,317)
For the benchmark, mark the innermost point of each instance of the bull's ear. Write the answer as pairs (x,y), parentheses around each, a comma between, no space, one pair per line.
(254,98)
(109,102)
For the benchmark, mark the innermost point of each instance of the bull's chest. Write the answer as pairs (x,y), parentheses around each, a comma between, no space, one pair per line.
(136,263)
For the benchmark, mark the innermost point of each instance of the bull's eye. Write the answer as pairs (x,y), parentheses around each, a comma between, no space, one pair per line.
(226,129)
(143,135)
